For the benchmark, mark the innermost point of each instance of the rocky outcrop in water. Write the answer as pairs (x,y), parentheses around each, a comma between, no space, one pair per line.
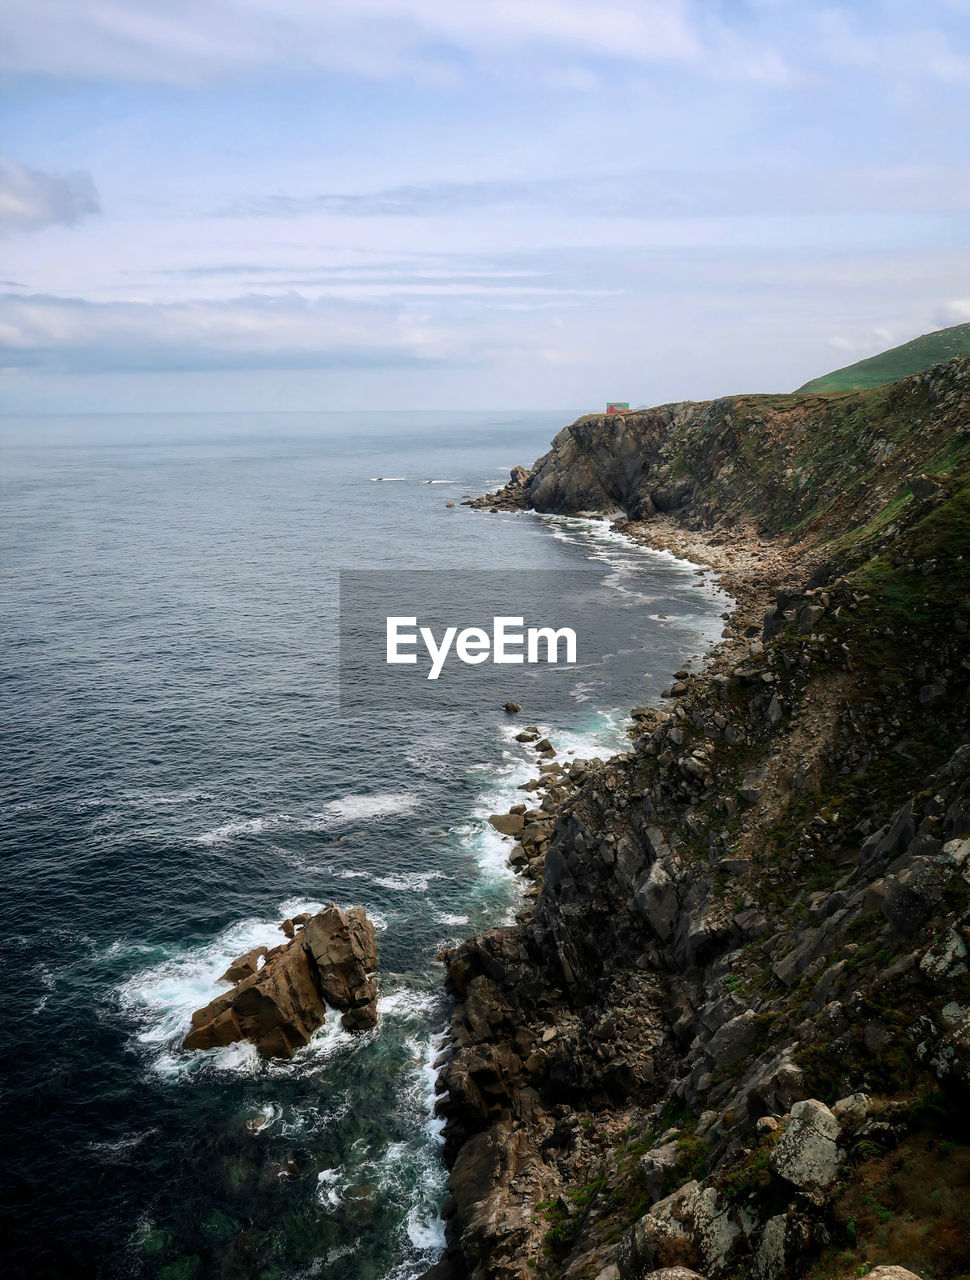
(730,1036)
(280,995)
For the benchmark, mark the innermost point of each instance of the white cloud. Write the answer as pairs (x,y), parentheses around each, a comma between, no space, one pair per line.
(185,41)
(251,332)
(30,199)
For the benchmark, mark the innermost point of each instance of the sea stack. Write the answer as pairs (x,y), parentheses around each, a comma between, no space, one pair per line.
(278,1004)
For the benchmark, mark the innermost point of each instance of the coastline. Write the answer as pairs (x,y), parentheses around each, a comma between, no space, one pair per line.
(718,972)
(746,566)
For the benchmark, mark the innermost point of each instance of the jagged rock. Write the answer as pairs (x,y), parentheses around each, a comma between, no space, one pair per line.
(786,1244)
(751,785)
(289,927)
(808,617)
(279,1007)
(656,899)
(244,966)
(734,1040)
(923,487)
(344,947)
(806,1155)
(657,1166)
(512,707)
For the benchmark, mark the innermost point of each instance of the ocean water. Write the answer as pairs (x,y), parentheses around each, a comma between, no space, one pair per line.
(178,777)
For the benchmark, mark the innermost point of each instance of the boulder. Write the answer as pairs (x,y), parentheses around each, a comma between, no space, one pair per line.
(808,617)
(806,1154)
(509,824)
(922,488)
(672,1273)
(912,894)
(279,1006)
(512,708)
(889,1273)
(693,1222)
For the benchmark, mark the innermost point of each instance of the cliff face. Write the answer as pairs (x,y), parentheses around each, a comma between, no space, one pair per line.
(801,466)
(733,1031)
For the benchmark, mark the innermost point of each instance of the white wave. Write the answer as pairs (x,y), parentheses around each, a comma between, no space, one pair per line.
(328,1181)
(409,881)
(381,804)
(242,827)
(407,1003)
(341,1251)
(443,917)
(353,808)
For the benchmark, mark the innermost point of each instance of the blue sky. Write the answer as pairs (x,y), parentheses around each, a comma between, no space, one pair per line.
(325,204)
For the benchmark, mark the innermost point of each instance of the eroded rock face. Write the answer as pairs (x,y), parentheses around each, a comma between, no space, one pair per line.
(279,1005)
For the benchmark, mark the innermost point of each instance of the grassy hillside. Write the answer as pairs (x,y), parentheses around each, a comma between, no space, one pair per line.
(888,366)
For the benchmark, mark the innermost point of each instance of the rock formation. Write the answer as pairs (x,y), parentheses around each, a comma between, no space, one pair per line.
(729,1034)
(280,1003)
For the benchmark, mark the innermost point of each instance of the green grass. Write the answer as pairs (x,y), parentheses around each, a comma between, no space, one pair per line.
(898,362)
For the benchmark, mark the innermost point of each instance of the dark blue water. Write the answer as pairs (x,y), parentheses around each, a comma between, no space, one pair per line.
(177,780)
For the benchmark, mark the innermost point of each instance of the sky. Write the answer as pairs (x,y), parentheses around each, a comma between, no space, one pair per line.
(471,204)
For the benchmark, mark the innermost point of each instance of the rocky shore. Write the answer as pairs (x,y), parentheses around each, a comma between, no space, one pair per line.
(729,1034)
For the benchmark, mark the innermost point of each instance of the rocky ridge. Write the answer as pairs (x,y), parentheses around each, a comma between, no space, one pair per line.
(730,1032)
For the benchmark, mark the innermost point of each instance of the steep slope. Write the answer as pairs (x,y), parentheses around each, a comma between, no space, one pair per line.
(888,366)
(732,1032)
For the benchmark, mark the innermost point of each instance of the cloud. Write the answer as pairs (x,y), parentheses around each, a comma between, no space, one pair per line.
(72,335)
(564,44)
(651,195)
(30,199)
(553,42)
(183,41)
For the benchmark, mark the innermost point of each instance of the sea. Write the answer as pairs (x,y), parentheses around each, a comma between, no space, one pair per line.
(179,774)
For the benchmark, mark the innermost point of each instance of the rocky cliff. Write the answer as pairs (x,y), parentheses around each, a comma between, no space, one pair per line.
(731,1033)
